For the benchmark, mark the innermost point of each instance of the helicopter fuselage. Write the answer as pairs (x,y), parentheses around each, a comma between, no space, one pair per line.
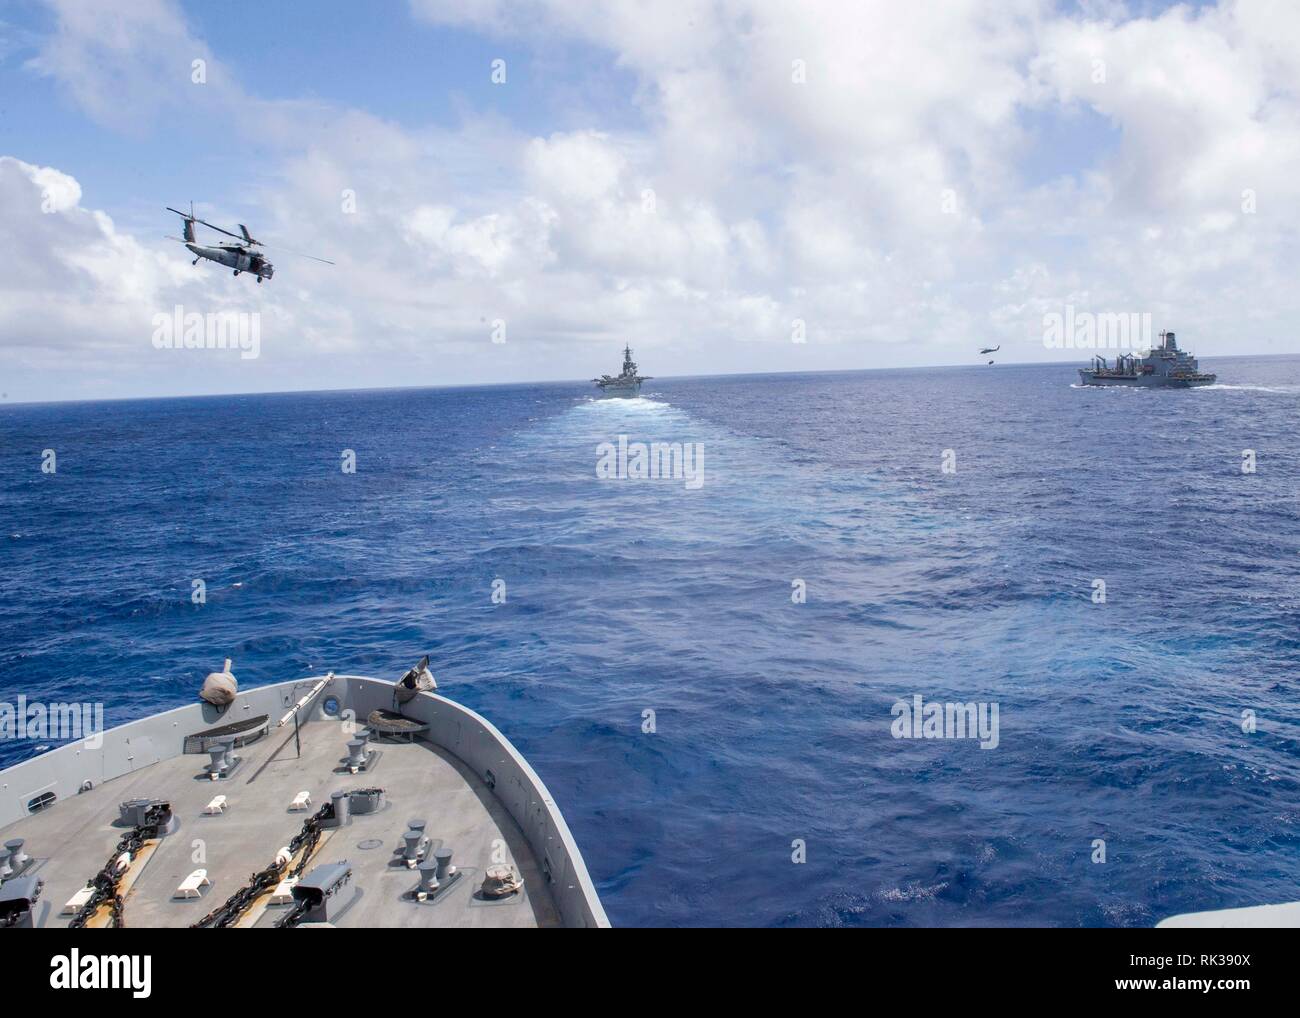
(240,256)
(235,258)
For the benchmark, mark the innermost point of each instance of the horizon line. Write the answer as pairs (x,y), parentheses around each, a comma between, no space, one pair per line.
(574,381)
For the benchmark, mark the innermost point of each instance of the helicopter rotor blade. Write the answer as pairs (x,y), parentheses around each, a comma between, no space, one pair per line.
(219,229)
(299,254)
(195,219)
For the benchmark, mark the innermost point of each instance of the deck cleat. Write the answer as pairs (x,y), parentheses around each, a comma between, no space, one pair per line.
(359,758)
(414,849)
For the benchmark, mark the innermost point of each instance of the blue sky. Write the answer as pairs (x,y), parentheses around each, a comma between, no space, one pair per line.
(942,177)
(385,62)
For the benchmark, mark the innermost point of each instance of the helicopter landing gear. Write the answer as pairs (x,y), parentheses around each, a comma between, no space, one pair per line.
(195,262)
(236,272)
(259,279)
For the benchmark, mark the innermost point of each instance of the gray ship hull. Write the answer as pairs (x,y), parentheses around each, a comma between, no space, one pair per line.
(624,389)
(1144,381)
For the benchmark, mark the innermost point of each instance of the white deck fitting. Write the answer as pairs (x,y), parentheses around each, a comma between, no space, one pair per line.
(216,807)
(283,893)
(192,886)
(77,901)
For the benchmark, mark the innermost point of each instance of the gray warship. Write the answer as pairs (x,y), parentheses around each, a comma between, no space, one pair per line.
(625,383)
(368,803)
(1165,367)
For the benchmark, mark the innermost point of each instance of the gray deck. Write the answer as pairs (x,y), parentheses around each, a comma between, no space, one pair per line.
(72,840)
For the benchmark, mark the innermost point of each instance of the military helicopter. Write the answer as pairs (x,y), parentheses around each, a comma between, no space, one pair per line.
(239,256)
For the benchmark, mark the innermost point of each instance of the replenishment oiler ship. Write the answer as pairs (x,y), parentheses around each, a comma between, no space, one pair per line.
(336,801)
(1165,367)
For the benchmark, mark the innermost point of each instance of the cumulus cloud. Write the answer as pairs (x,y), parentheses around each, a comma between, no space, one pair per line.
(1206,104)
(74,269)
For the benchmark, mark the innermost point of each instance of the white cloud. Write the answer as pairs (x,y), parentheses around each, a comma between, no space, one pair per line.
(59,192)
(1206,103)
(72,263)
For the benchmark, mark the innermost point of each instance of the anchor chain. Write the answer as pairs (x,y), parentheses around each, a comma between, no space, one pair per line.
(105,882)
(292,919)
(259,883)
(227,913)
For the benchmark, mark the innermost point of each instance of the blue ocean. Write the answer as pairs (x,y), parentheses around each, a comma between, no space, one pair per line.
(1159,723)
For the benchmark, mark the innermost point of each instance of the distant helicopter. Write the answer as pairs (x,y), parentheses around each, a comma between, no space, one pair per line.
(987,349)
(241,257)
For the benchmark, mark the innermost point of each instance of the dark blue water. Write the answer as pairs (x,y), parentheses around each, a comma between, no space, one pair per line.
(1119,721)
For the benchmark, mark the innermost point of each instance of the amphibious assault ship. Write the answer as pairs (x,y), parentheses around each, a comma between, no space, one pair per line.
(625,383)
(1165,367)
(365,803)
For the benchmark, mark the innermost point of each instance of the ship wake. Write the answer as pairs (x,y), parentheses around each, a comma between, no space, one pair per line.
(1279,389)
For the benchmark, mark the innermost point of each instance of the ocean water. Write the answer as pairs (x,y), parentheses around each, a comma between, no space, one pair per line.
(1119,721)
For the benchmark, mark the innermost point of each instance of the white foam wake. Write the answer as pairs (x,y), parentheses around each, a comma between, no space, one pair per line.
(1285,389)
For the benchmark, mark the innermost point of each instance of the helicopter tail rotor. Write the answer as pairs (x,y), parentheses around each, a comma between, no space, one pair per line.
(188,228)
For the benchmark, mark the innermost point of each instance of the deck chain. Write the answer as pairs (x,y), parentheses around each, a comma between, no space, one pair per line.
(228,913)
(106,881)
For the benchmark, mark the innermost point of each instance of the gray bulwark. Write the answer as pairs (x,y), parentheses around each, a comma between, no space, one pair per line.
(481,799)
